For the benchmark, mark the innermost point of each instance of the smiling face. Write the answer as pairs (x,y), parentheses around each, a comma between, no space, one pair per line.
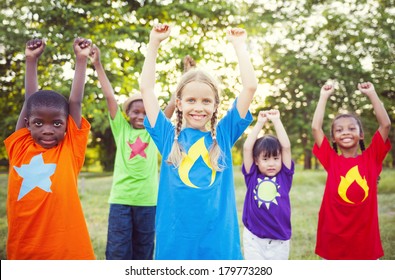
(346,133)
(136,114)
(198,104)
(47,125)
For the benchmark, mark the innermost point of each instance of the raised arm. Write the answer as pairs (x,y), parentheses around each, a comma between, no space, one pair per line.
(319,113)
(34,49)
(286,156)
(81,49)
(106,87)
(378,107)
(238,36)
(171,106)
(159,33)
(248,158)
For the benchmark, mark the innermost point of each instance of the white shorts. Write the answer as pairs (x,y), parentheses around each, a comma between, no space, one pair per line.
(256,248)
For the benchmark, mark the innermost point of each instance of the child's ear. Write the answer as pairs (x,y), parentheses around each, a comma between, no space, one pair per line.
(178,104)
(361,136)
(27,123)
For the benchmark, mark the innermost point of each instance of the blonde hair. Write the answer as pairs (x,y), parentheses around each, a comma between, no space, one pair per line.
(191,74)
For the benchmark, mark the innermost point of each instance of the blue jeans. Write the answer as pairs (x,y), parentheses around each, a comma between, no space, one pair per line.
(131,232)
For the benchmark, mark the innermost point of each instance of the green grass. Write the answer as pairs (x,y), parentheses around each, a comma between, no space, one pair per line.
(306,195)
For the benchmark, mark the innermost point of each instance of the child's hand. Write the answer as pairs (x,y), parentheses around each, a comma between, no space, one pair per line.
(273,115)
(94,55)
(82,47)
(262,117)
(236,35)
(366,88)
(34,48)
(327,90)
(159,33)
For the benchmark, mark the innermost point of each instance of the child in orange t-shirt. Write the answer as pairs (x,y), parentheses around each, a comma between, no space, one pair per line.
(46,154)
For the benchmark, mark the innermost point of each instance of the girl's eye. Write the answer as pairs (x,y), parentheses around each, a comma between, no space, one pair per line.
(207,101)
(57,124)
(38,124)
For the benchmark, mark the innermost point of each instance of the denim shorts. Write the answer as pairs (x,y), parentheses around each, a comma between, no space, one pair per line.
(131,232)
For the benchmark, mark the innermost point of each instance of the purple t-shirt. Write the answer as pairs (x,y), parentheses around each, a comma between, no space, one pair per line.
(267,207)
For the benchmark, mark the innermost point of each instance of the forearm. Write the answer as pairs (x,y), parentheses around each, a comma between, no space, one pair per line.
(381,115)
(253,135)
(318,119)
(31,86)
(147,83)
(31,79)
(281,134)
(78,85)
(248,79)
(247,73)
(107,89)
(77,90)
(148,73)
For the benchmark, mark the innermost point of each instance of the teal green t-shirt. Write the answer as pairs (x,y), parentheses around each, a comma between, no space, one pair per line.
(135,180)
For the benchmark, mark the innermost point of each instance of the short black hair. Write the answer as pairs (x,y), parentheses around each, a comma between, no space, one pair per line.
(268,144)
(47,98)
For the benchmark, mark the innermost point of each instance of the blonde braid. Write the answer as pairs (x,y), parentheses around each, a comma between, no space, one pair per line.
(176,155)
(215,150)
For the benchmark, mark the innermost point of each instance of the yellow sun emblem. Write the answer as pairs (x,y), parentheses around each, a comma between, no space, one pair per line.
(266,192)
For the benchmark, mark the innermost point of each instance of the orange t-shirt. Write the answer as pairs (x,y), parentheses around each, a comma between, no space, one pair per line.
(45,217)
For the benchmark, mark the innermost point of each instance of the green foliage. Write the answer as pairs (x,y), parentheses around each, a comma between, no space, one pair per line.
(295,46)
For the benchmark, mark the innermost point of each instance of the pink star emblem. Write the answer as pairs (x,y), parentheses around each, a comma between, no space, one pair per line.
(138,148)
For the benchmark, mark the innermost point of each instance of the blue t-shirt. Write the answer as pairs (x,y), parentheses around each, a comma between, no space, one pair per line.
(196,211)
(267,208)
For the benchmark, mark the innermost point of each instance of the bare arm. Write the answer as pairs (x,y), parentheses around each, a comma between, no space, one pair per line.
(34,49)
(171,106)
(106,87)
(378,107)
(318,117)
(286,156)
(238,36)
(81,49)
(147,84)
(248,158)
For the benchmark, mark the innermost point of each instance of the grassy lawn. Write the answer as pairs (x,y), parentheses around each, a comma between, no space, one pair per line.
(306,197)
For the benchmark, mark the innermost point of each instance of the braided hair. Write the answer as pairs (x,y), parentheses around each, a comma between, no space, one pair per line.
(192,74)
(361,142)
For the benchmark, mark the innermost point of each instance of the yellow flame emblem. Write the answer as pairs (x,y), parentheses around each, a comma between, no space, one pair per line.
(195,151)
(351,176)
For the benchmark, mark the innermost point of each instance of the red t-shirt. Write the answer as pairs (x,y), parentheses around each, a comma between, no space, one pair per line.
(45,218)
(348,226)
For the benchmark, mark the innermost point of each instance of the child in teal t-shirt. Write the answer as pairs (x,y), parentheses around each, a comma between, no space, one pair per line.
(131,221)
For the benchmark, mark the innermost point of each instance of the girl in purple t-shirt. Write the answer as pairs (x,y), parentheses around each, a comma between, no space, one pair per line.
(268,171)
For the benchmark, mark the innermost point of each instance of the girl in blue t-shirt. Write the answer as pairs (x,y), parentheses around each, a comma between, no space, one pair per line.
(196,210)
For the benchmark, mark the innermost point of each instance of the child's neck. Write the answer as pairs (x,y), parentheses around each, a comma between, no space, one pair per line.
(349,153)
